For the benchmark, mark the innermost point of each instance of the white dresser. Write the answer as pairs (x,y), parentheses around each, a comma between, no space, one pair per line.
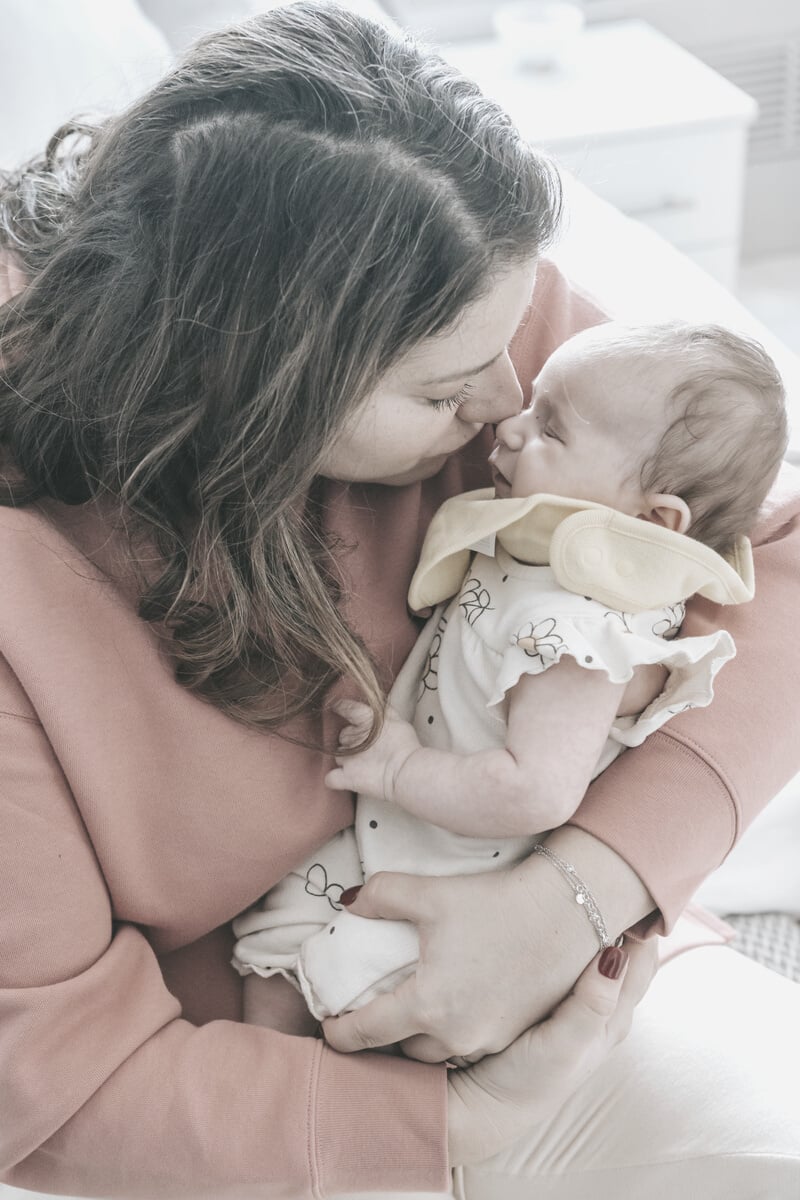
(641,122)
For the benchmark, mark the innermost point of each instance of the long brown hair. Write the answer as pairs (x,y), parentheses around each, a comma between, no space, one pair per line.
(218,278)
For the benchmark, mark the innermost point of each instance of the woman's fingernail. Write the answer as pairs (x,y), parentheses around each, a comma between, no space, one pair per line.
(349,894)
(611,962)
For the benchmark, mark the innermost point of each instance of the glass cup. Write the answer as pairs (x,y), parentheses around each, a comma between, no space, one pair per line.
(538,36)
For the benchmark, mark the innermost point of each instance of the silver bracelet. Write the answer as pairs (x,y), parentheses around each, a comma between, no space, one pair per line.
(582,894)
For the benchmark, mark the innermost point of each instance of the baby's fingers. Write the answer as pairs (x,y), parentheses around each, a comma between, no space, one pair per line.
(353,735)
(353,711)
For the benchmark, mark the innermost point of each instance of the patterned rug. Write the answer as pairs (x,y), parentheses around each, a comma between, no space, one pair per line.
(772,939)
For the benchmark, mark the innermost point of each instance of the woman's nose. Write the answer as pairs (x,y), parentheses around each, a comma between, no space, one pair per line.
(497,396)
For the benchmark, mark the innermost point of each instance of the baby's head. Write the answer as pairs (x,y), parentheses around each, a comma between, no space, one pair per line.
(679,424)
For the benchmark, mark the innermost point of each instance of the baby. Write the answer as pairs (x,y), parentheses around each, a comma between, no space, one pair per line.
(626,486)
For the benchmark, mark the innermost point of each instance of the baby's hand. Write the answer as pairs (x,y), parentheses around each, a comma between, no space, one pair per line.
(376,769)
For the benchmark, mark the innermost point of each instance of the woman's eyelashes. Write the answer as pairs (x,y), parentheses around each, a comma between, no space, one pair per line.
(455,400)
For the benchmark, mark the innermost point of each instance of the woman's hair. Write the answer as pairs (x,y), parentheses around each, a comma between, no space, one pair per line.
(219,276)
(727,430)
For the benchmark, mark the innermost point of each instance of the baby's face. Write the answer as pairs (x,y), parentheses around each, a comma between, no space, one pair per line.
(593,419)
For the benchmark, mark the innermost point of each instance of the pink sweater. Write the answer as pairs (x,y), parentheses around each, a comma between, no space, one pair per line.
(136,821)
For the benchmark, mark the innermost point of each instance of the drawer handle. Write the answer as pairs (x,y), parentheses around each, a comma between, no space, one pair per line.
(670,204)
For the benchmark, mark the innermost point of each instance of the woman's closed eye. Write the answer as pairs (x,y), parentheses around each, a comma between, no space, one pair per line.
(453,401)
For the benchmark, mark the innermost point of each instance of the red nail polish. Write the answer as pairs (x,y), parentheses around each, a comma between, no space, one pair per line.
(611,962)
(349,894)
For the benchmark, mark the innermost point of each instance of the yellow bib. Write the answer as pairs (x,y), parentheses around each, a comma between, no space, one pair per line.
(625,562)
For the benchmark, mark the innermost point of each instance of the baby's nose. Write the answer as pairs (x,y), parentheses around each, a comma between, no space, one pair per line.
(510,434)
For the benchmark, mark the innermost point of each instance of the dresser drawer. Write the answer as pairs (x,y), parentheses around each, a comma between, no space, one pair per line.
(685,185)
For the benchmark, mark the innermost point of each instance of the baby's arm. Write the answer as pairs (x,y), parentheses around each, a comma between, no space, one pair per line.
(558,722)
(649,680)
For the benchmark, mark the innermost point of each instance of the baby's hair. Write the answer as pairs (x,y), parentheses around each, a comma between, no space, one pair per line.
(727,431)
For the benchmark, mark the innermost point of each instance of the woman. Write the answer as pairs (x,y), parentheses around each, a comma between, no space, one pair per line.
(266,324)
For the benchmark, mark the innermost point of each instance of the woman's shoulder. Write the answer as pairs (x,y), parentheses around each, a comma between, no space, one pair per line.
(559,308)
(24,529)
(781,508)
(45,542)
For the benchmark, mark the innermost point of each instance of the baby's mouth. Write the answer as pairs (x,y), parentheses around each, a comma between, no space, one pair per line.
(502,486)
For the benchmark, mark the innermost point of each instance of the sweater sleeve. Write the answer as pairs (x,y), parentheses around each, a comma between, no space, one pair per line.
(107,1091)
(674,807)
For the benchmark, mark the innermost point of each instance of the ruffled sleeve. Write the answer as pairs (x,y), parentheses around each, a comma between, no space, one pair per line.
(603,639)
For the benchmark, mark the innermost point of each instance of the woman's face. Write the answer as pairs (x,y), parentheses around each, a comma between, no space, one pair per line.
(439,395)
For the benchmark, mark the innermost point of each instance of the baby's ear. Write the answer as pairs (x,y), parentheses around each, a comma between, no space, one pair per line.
(667,510)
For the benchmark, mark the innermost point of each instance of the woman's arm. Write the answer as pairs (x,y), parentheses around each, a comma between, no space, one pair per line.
(712,770)
(700,781)
(108,1091)
(558,722)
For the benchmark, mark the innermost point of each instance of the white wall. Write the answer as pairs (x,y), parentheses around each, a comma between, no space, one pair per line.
(714,30)
(770,29)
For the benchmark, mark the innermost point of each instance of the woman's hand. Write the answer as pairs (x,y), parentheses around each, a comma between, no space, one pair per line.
(375,770)
(500,1099)
(497,951)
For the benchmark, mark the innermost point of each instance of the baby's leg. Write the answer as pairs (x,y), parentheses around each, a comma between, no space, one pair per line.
(353,960)
(277,1004)
(271,932)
